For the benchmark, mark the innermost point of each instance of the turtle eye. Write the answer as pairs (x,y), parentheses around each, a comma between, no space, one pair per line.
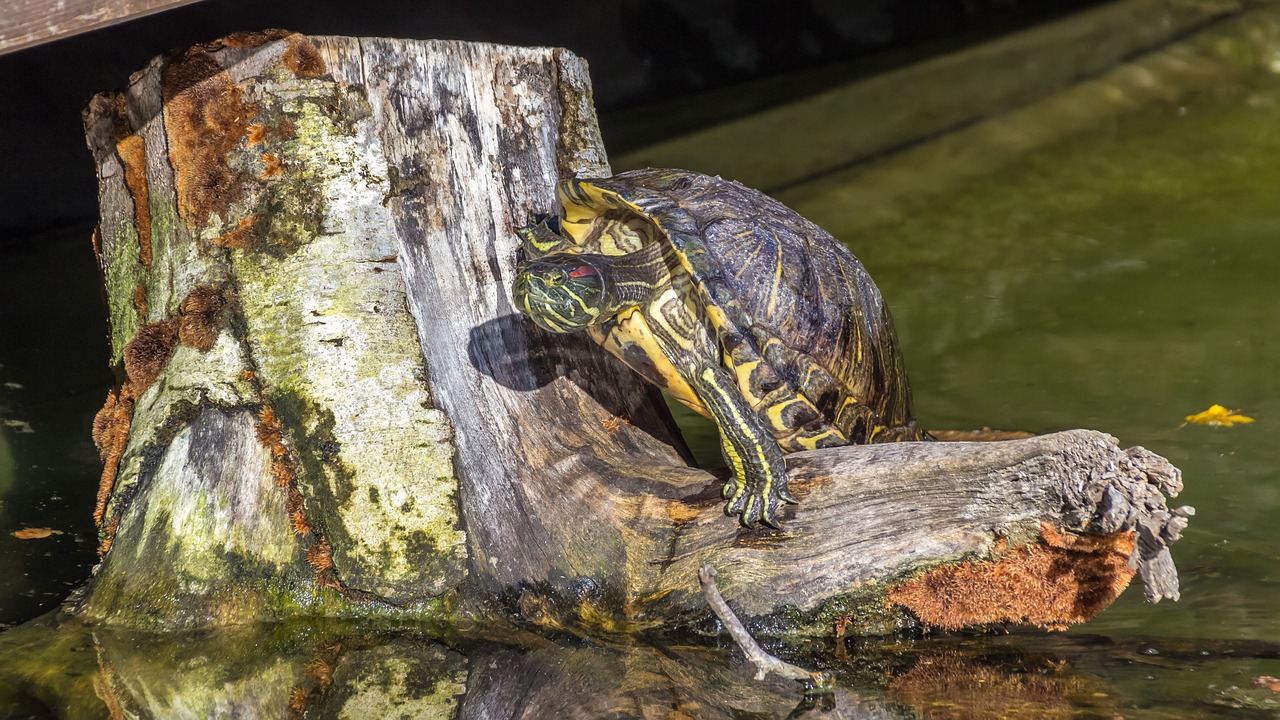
(555,278)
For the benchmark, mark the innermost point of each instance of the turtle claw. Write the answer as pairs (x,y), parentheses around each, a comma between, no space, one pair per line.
(751,512)
(752,507)
(728,491)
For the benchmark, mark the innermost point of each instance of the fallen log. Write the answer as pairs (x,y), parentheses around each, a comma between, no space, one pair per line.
(329,406)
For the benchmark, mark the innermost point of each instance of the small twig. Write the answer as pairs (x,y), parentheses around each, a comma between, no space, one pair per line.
(814,682)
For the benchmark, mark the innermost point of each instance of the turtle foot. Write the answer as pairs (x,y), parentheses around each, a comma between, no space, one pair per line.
(753,504)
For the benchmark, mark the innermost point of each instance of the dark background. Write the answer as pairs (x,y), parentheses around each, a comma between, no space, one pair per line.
(650,61)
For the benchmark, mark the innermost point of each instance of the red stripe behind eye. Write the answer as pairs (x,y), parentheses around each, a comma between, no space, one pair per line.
(583,271)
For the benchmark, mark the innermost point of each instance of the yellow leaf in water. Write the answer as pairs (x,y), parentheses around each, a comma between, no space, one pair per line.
(35,533)
(1219,416)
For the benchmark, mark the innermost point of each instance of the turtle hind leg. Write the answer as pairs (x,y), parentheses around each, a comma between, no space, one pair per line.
(909,432)
(862,426)
(787,389)
(857,421)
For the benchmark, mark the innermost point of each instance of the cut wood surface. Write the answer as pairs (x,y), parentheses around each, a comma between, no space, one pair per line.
(308,245)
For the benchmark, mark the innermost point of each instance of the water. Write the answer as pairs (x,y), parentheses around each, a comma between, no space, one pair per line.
(1118,280)
(53,378)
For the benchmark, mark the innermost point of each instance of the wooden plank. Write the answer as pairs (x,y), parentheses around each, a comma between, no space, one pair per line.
(27,23)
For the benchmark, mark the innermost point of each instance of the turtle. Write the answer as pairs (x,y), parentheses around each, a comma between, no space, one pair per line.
(734,305)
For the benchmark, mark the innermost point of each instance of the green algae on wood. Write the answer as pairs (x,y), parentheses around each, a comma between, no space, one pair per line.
(376,472)
(316,293)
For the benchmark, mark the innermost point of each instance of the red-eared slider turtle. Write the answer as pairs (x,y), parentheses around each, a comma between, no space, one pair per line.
(733,304)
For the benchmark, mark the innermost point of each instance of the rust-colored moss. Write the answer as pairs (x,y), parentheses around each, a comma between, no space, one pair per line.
(206,116)
(284,469)
(949,686)
(257,134)
(321,667)
(283,130)
(95,241)
(202,300)
(303,58)
(320,557)
(272,165)
(140,298)
(144,358)
(110,435)
(318,678)
(242,236)
(147,354)
(108,534)
(1058,581)
(248,39)
(103,689)
(298,700)
(201,317)
(298,514)
(271,435)
(133,155)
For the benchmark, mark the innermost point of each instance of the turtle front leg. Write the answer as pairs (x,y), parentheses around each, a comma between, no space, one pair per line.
(759,483)
(541,236)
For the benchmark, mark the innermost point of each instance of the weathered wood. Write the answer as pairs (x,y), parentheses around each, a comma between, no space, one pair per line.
(25,23)
(246,252)
(308,243)
(530,412)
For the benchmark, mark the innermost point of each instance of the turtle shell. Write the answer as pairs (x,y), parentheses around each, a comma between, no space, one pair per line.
(796,315)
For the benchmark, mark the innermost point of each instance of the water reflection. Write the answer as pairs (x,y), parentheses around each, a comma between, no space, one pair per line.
(335,669)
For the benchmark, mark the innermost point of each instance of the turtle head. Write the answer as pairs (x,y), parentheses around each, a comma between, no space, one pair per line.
(562,293)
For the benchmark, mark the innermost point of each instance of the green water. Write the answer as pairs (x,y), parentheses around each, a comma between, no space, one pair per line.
(1118,280)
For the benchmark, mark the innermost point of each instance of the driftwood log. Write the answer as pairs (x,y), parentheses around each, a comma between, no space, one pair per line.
(329,406)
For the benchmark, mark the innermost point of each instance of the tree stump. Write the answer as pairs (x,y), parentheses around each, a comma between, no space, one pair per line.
(328,404)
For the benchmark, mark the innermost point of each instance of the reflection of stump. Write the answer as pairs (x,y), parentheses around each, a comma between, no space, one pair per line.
(329,404)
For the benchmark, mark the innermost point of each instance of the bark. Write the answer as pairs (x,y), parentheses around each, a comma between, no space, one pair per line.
(329,405)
